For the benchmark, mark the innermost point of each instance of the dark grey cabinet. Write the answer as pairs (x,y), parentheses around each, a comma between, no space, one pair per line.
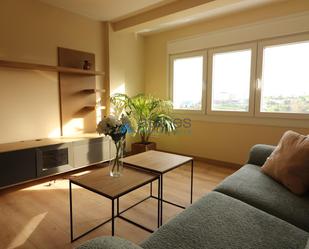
(17,166)
(40,161)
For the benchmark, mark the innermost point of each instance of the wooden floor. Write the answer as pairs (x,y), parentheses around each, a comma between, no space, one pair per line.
(38,216)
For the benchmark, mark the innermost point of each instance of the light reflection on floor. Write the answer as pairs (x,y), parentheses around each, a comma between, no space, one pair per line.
(26,231)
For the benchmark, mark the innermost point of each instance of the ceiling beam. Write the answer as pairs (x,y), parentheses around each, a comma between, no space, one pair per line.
(156,13)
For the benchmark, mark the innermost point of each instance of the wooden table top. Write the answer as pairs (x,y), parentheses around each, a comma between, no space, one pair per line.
(156,161)
(100,182)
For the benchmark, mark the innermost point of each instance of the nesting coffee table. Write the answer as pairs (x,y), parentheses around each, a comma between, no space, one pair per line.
(160,163)
(99,181)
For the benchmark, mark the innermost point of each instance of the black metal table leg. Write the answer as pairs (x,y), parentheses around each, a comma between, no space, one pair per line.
(151,189)
(161,200)
(117,206)
(71,214)
(113,217)
(191,196)
(159,183)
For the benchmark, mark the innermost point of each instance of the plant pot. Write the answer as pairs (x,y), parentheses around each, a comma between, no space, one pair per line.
(142,147)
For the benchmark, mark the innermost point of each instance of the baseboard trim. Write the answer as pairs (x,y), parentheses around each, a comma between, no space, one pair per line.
(218,162)
(209,160)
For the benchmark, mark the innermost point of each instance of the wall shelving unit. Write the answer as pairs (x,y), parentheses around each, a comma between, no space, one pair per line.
(78,94)
(77,86)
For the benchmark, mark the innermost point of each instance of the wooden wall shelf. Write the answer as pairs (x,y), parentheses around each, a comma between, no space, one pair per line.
(31,66)
(94,91)
(94,107)
(88,109)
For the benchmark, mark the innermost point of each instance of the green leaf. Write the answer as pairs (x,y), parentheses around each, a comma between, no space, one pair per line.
(147,112)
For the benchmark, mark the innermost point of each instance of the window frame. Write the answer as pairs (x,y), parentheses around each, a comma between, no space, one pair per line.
(259,76)
(172,57)
(239,47)
(254,112)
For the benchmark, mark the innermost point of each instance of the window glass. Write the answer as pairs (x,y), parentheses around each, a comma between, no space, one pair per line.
(231,73)
(188,83)
(285,78)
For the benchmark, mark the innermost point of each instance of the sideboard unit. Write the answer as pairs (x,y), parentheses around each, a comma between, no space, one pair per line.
(30,160)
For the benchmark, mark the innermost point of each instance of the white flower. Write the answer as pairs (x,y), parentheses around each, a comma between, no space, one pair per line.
(111,121)
(111,125)
(102,127)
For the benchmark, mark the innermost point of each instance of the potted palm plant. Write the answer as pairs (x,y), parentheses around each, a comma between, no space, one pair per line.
(147,115)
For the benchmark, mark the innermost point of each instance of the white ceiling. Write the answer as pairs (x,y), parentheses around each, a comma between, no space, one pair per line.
(114,10)
(204,12)
(106,10)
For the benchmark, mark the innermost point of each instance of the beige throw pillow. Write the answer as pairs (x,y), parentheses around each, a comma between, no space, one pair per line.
(289,162)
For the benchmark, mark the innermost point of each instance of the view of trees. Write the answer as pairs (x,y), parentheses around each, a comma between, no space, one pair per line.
(190,105)
(290,104)
(230,105)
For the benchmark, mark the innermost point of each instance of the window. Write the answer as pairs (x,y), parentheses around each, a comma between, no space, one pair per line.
(284,77)
(268,78)
(231,72)
(187,76)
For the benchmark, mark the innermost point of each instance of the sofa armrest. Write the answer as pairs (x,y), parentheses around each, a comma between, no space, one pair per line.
(259,153)
(108,243)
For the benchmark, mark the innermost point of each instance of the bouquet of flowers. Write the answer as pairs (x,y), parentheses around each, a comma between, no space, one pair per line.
(116,128)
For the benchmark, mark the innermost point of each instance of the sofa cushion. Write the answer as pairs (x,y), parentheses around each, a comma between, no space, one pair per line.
(289,162)
(218,221)
(250,185)
(108,243)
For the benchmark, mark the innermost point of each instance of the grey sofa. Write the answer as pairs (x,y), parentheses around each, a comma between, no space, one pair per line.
(248,210)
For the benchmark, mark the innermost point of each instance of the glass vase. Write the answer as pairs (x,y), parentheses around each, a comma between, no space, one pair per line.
(116,165)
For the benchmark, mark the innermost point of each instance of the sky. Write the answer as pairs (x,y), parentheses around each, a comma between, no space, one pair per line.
(286,70)
(231,74)
(187,72)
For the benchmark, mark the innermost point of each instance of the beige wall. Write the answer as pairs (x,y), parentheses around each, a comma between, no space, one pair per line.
(126,65)
(126,62)
(220,141)
(31,31)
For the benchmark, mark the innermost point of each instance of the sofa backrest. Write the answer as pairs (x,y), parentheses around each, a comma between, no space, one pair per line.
(259,153)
